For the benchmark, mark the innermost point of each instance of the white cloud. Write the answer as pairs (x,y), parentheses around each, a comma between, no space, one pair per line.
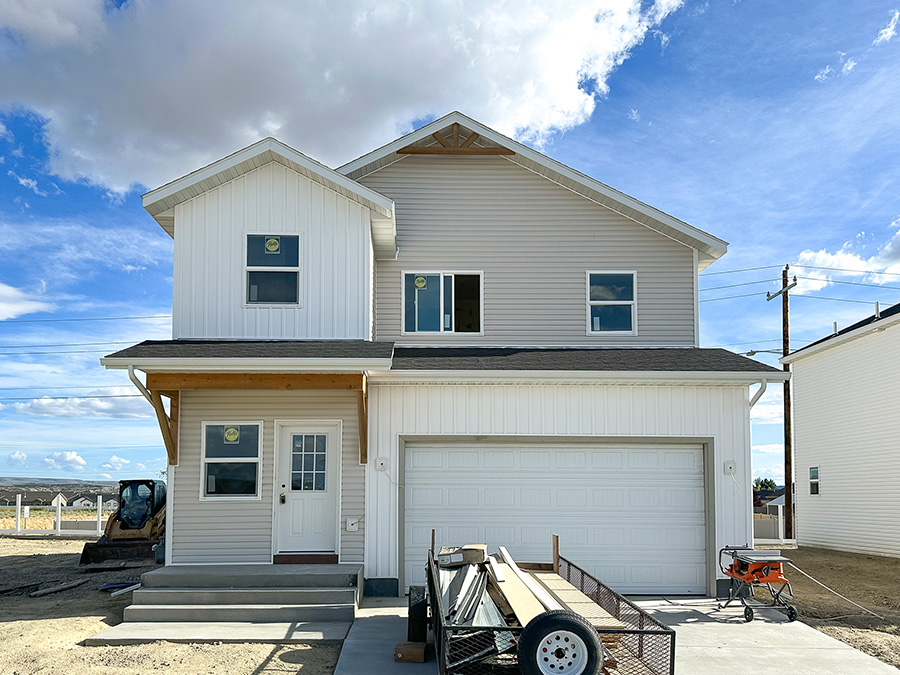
(53,24)
(115,463)
(69,461)
(140,467)
(29,183)
(106,476)
(849,65)
(888,31)
(775,472)
(15,302)
(132,407)
(17,458)
(634,115)
(5,134)
(769,449)
(824,74)
(225,73)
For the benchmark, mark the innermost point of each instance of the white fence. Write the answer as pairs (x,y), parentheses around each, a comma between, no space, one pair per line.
(768,528)
(62,528)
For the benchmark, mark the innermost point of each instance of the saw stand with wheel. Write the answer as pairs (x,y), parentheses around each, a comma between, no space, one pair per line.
(751,570)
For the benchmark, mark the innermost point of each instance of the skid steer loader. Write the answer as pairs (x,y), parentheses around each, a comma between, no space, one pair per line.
(135,527)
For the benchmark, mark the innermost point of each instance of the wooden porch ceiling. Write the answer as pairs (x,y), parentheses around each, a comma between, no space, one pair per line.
(171,384)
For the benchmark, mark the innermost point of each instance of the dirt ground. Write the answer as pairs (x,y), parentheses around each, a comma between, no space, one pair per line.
(869,580)
(42,635)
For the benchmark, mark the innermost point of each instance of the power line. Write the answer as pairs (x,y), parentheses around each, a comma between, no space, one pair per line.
(69,398)
(841,269)
(731,297)
(92,318)
(819,297)
(746,283)
(852,283)
(746,269)
(68,344)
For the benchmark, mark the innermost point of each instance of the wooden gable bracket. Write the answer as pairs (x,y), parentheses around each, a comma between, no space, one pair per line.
(168,424)
(454,146)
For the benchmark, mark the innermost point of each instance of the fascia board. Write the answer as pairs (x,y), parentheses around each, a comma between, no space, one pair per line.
(239,365)
(258,148)
(704,238)
(587,377)
(862,331)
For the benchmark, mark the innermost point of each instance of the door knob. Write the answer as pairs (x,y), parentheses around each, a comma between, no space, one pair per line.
(283,498)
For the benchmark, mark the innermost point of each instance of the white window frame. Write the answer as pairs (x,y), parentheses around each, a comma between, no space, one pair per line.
(230,460)
(598,303)
(442,274)
(255,268)
(815,481)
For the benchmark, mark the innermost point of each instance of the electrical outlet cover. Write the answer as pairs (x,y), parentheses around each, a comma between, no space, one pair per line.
(730,468)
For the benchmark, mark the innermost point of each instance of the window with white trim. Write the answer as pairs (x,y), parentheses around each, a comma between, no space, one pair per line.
(813,480)
(442,302)
(231,459)
(273,269)
(611,306)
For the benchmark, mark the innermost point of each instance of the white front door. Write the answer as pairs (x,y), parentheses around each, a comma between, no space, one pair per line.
(306,488)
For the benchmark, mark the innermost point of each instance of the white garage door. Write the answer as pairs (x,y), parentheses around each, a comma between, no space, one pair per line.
(631,515)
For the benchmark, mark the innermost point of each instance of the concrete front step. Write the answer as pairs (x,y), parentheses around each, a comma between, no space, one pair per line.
(234,631)
(225,613)
(253,576)
(244,596)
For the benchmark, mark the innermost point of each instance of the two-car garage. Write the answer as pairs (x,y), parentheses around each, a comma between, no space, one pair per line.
(632,513)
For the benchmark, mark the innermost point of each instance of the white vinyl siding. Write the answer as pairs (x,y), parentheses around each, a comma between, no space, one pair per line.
(599,413)
(534,240)
(631,514)
(845,402)
(224,530)
(210,261)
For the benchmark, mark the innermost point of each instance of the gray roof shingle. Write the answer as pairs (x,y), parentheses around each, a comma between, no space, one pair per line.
(244,349)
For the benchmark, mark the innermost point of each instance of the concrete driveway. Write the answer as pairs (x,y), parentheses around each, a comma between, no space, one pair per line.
(707,641)
(721,643)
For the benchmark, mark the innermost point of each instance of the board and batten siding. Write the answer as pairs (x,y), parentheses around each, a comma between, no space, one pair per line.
(845,403)
(335,260)
(240,531)
(534,240)
(614,413)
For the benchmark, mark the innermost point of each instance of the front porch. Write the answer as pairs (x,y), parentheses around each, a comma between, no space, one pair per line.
(240,603)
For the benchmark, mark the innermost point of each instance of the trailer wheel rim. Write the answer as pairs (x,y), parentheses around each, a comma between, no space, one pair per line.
(562,652)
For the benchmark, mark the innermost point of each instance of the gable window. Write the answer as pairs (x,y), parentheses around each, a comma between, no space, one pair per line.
(273,269)
(611,306)
(231,458)
(813,480)
(442,302)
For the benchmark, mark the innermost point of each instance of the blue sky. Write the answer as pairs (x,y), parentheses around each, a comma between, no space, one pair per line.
(771,125)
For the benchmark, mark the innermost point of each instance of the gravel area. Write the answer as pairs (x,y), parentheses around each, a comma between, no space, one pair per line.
(43,635)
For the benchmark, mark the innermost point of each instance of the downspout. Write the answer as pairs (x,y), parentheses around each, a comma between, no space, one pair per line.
(146,394)
(759,392)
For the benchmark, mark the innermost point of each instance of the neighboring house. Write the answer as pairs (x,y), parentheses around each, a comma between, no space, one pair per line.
(110,502)
(452,332)
(846,394)
(7,499)
(84,501)
(42,499)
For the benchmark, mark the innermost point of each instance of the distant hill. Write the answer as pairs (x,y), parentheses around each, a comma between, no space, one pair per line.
(29,484)
(27,480)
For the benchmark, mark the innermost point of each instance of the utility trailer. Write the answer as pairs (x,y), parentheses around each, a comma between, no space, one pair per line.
(593,630)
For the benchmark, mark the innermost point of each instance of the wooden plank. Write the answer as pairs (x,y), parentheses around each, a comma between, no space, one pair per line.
(165,426)
(362,405)
(471,139)
(440,139)
(539,592)
(524,605)
(555,539)
(57,589)
(577,601)
(440,150)
(409,652)
(456,134)
(280,381)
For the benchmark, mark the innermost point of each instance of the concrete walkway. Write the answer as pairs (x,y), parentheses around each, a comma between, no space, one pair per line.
(369,647)
(712,642)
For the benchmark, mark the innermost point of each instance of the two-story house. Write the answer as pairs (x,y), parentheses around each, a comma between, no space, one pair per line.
(453,332)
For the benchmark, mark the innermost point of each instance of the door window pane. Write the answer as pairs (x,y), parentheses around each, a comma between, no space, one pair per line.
(308,462)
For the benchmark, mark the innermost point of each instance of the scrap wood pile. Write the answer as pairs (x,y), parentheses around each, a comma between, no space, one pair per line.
(557,628)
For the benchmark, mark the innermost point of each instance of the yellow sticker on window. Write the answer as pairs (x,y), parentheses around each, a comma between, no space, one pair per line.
(273,244)
(232,434)
(420,282)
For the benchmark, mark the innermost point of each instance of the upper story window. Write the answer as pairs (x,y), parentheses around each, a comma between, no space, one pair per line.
(813,480)
(442,302)
(273,269)
(611,306)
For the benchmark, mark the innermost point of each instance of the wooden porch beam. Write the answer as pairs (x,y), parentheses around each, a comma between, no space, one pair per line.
(280,381)
(440,139)
(471,139)
(166,426)
(363,420)
(441,150)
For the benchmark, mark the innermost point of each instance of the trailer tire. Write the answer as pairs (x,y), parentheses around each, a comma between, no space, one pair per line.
(559,641)
(417,618)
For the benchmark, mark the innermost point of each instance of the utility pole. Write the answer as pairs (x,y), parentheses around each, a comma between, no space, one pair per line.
(788,445)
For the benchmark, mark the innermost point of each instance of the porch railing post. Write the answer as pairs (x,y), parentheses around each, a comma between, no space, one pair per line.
(58,516)
(18,513)
(780,523)
(100,515)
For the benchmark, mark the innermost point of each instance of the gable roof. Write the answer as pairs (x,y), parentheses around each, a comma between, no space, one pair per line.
(871,324)
(709,248)
(160,202)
